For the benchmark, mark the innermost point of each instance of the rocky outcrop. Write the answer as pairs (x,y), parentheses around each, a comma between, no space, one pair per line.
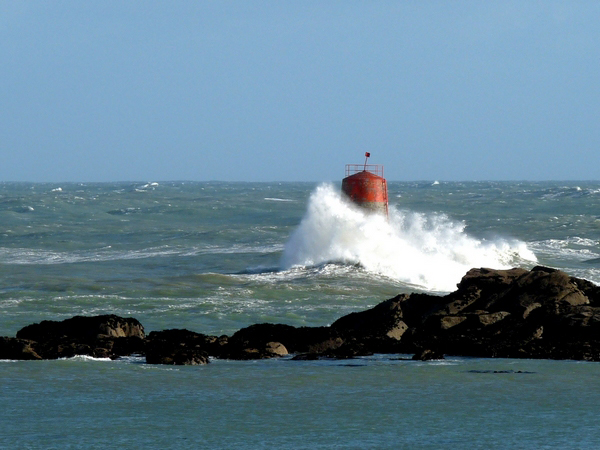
(178,347)
(82,327)
(384,321)
(106,336)
(542,313)
(516,313)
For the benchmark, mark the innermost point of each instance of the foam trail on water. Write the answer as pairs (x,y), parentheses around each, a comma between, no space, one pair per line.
(427,250)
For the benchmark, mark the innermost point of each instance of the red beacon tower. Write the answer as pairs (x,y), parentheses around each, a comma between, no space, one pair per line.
(364,185)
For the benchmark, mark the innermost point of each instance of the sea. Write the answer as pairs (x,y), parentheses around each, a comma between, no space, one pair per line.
(214,257)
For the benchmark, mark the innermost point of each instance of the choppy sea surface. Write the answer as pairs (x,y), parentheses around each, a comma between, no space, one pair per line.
(214,257)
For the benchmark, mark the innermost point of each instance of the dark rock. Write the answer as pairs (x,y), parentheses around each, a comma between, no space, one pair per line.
(348,350)
(17,349)
(427,355)
(351,349)
(98,336)
(83,328)
(542,313)
(307,357)
(116,347)
(178,347)
(261,351)
(295,340)
(381,321)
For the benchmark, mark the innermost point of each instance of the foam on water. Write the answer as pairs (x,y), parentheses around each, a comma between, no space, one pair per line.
(578,256)
(426,250)
(83,358)
(273,199)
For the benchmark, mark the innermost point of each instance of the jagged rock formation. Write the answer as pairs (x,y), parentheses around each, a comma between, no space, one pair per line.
(106,336)
(516,313)
(542,313)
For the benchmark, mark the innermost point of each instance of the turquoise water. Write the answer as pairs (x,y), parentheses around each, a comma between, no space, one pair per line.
(363,403)
(215,257)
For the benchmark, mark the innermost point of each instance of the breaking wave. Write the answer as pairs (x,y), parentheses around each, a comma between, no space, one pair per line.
(427,250)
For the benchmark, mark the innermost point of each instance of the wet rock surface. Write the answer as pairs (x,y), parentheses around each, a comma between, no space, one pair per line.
(542,313)
(105,336)
(515,313)
(177,347)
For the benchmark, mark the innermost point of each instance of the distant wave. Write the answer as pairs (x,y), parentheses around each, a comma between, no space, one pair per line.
(568,191)
(271,199)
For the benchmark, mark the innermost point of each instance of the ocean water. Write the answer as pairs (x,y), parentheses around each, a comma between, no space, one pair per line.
(214,257)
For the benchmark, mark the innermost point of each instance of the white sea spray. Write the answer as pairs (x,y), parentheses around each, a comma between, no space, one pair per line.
(427,250)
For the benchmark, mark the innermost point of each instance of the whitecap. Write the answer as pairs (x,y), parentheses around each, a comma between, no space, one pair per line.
(272,199)
(149,185)
(84,358)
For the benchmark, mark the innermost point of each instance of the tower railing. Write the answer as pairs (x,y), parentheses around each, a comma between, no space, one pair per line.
(375,169)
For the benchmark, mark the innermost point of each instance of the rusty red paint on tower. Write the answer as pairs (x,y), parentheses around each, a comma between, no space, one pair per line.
(364,185)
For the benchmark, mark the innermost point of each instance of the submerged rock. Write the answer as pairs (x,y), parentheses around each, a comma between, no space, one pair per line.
(427,355)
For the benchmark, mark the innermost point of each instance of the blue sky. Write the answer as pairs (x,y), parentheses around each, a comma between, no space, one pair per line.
(294,90)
